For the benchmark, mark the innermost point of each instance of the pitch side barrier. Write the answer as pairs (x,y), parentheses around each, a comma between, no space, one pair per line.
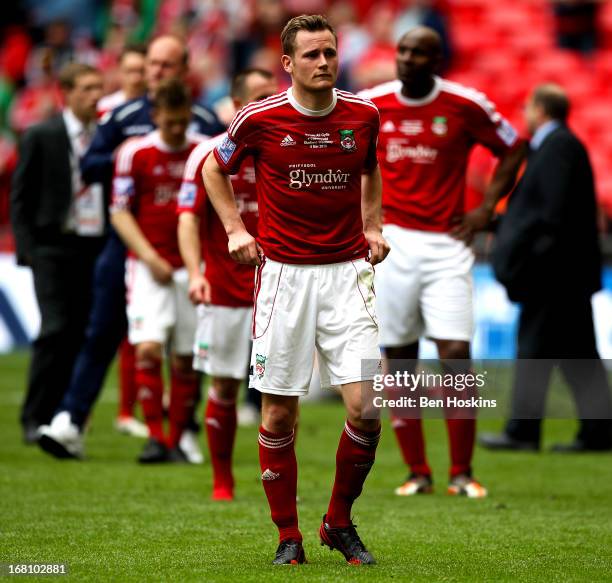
(495,317)
(466,389)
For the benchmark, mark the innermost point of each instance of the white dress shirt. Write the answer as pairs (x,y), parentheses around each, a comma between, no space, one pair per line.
(86,213)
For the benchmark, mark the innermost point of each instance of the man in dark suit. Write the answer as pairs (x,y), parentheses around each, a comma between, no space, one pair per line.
(58,224)
(547,256)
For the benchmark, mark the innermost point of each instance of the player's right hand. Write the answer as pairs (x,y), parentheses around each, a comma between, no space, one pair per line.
(379,248)
(199,290)
(243,248)
(160,269)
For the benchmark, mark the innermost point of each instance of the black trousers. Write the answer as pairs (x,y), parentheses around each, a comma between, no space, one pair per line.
(558,332)
(62,273)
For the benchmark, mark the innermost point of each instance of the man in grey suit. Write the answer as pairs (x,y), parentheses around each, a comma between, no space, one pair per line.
(58,224)
(547,256)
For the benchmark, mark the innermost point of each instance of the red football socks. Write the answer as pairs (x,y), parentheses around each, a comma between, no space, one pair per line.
(220,419)
(409,434)
(183,397)
(128,389)
(150,394)
(279,478)
(354,458)
(461,436)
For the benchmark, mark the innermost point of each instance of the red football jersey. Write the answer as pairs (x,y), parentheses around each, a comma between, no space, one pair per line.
(231,282)
(424,146)
(308,166)
(148,176)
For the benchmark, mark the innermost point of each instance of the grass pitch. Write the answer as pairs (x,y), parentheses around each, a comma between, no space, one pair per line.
(548,517)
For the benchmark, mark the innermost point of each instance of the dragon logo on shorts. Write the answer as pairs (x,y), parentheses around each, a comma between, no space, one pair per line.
(260,365)
(347,140)
(203,350)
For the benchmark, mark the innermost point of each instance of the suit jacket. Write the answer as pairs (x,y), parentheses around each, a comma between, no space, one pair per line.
(42,187)
(548,242)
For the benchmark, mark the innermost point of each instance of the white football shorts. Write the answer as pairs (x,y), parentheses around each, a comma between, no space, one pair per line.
(159,313)
(222,346)
(303,308)
(424,288)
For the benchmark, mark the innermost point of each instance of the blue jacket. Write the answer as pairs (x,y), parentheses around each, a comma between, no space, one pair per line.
(132,119)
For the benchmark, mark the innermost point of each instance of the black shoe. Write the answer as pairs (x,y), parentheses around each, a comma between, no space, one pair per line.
(347,541)
(177,456)
(579,446)
(30,434)
(289,552)
(193,425)
(154,452)
(503,441)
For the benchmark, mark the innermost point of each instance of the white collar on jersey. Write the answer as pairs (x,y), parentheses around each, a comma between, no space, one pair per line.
(423,100)
(312,112)
(161,145)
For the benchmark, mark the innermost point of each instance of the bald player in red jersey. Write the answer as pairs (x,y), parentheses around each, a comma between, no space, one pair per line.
(428,128)
(224,292)
(312,146)
(148,176)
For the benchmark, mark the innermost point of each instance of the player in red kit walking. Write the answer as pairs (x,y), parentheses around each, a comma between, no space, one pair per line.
(148,175)
(224,292)
(312,146)
(428,128)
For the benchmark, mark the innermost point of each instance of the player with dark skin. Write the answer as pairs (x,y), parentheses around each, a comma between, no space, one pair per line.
(419,54)
(437,293)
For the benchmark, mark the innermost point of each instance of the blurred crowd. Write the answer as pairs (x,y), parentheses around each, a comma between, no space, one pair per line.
(39,36)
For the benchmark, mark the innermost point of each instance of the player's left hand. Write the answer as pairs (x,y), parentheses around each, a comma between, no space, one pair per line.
(470,223)
(379,248)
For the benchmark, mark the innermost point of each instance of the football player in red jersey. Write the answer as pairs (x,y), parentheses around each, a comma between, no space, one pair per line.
(224,292)
(319,235)
(428,128)
(148,175)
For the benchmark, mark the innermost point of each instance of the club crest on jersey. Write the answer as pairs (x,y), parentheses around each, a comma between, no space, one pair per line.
(439,126)
(260,365)
(347,140)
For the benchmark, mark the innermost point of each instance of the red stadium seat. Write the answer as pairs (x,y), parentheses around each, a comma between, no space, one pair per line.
(530,42)
(603,62)
(497,63)
(505,49)
(507,16)
(557,65)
